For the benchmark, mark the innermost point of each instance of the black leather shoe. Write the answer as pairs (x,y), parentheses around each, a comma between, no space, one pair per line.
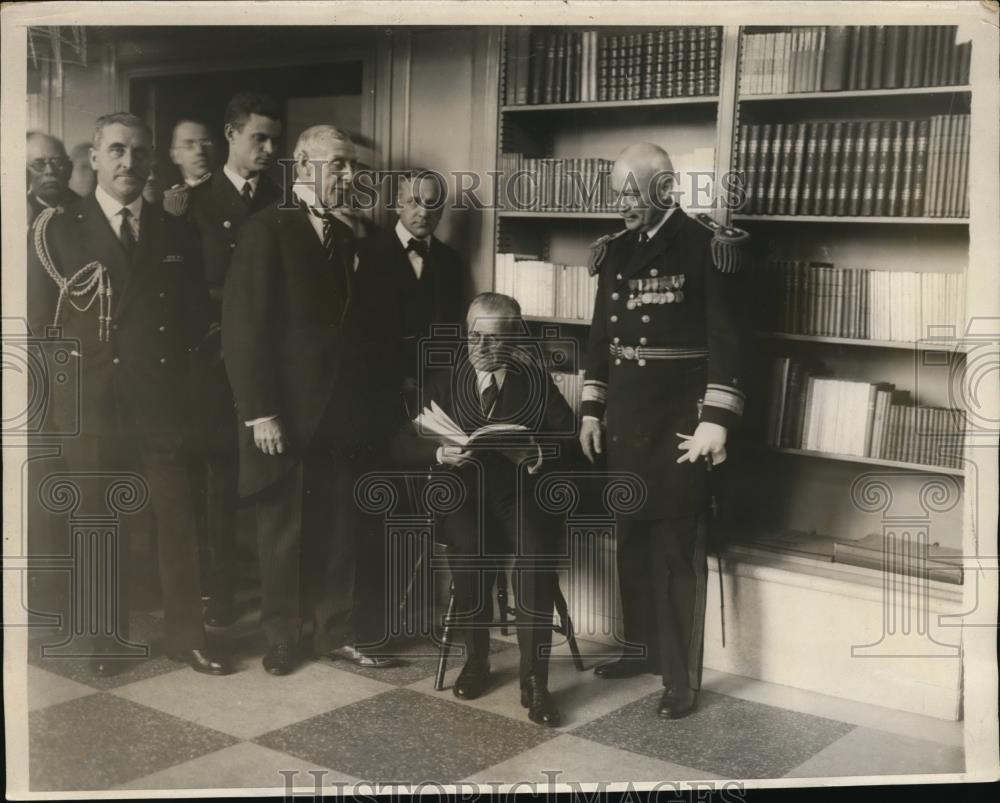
(279,659)
(622,668)
(471,681)
(201,661)
(541,707)
(220,613)
(361,658)
(676,703)
(105,667)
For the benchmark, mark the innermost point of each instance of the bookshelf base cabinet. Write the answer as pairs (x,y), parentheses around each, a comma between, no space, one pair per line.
(829,628)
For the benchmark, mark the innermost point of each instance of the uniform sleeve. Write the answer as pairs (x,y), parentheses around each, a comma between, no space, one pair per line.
(595,380)
(725,295)
(197,324)
(247,323)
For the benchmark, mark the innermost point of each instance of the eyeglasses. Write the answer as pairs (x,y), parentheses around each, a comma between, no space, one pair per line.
(487,340)
(56,163)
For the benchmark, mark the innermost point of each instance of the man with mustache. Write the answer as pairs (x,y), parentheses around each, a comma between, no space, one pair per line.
(122,279)
(309,363)
(48,170)
(219,203)
(664,362)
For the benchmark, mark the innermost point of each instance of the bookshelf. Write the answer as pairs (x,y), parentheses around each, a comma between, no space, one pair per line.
(773,492)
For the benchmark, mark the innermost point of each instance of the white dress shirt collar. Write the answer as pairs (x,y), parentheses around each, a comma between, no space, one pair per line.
(197,182)
(110,207)
(652,232)
(405,235)
(483,378)
(238,181)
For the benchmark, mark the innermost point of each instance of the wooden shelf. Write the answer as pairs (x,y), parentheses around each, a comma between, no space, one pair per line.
(518,213)
(855,94)
(700,100)
(874,461)
(903,345)
(912,221)
(567,321)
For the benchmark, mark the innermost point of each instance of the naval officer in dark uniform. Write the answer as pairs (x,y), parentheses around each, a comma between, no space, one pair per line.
(218,204)
(664,365)
(123,281)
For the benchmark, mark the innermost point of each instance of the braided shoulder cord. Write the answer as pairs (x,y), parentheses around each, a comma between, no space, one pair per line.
(91,279)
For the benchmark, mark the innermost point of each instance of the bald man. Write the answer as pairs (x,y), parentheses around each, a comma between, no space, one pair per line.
(300,354)
(664,366)
(48,171)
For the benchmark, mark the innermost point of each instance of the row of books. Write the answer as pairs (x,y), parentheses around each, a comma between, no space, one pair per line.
(837,58)
(570,385)
(817,298)
(546,290)
(557,185)
(572,66)
(861,419)
(894,168)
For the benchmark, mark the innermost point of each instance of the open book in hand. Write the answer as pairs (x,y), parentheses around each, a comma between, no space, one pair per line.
(512,440)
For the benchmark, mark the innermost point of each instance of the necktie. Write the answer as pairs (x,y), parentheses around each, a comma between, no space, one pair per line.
(125,232)
(419,247)
(247,193)
(490,394)
(338,240)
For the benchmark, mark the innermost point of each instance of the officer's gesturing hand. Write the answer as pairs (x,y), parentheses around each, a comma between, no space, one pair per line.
(269,437)
(591,438)
(708,439)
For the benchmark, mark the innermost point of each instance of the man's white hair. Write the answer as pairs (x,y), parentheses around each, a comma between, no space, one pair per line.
(315,137)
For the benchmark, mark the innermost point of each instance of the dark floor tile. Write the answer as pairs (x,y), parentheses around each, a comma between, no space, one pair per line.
(405,736)
(417,659)
(725,735)
(144,628)
(99,741)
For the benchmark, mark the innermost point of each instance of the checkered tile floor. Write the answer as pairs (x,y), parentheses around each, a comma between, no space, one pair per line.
(162,726)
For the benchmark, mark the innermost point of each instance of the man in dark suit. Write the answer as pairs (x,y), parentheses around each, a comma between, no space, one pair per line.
(48,170)
(496,380)
(303,359)
(664,361)
(424,275)
(123,279)
(218,204)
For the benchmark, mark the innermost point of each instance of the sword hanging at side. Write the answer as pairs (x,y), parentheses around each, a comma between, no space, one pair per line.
(713,505)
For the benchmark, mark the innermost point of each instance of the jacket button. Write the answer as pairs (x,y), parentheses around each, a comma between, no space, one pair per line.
(163,360)
(614,296)
(643,341)
(616,340)
(232,245)
(163,295)
(114,327)
(614,319)
(226,224)
(163,328)
(645,319)
(654,272)
(618,361)
(619,277)
(115,360)
(641,362)
(614,439)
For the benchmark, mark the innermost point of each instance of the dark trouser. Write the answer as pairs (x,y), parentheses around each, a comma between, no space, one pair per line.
(480,534)
(663,573)
(320,558)
(163,467)
(216,473)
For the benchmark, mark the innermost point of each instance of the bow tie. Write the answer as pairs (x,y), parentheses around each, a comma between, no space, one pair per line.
(419,247)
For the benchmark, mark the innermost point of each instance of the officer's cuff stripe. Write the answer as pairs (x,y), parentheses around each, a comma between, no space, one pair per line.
(725,397)
(595,391)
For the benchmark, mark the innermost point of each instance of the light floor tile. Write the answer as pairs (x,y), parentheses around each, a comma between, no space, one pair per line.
(242,766)
(47,688)
(823,705)
(866,751)
(568,759)
(251,702)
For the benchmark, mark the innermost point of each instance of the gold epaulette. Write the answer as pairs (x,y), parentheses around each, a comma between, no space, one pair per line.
(177,199)
(728,244)
(599,249)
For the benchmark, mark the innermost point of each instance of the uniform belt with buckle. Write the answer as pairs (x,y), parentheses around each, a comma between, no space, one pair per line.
(655,353)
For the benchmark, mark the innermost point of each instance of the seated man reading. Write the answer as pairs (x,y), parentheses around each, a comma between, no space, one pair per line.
(495,418)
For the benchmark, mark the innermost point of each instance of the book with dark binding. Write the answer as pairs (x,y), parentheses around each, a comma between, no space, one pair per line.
(795,175)
(809,169)
(835,59)
(909,58)
(920,157)
(891,65)
(853,48)
(880,203)
(548,85)
(847,156)
(777,169)
(763,170)
(871,168)
(832,184)
(858,168)
(920,54)
(822,168)
(875,78)
(932,56)
(865,56)
(752,167)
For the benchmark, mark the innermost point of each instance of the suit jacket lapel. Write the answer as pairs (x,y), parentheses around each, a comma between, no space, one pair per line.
(147,250)
(643,255)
